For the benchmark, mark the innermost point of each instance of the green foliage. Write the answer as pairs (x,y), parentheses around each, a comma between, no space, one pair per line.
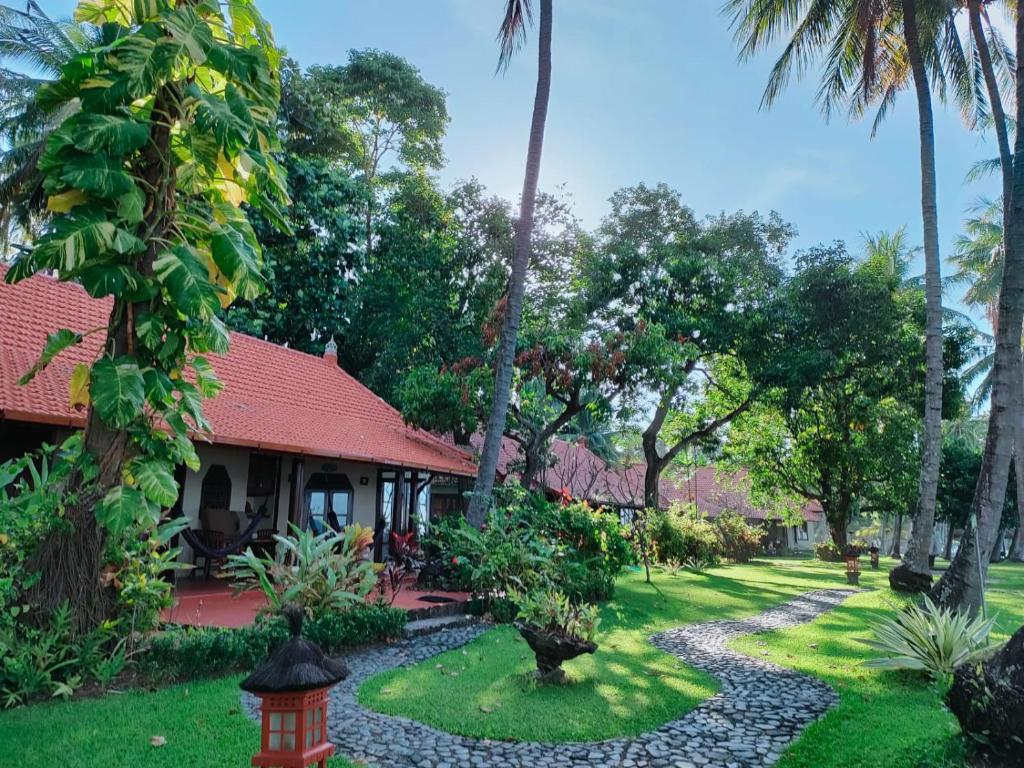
(551,610)
(54,661)
(740,542)
(194,652)
(841,428)
(529,543)
(320,572)
(151,216)
(929,639)
(681,538)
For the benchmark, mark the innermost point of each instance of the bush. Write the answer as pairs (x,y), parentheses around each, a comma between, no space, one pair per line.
(323,573)
(740,541)
(930,639)
(680,538)
(528,543)
(44,656)
(187,653)
(828,552)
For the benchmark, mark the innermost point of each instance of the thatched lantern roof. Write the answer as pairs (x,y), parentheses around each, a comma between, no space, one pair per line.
(297,665)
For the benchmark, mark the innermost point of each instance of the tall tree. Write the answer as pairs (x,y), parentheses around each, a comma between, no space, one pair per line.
(871,49)
(146,181)
(518,14)
(391,112)
(693,290)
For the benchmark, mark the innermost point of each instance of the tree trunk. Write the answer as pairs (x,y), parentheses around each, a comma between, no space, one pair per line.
(920,543)
(70,560)
(947,552)
(481,499)
(962,585)
(1017,545)
(897,536)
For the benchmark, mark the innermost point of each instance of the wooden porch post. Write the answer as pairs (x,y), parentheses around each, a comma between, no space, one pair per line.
(296,513)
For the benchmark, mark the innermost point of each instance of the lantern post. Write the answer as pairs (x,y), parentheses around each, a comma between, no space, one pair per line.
(293,686)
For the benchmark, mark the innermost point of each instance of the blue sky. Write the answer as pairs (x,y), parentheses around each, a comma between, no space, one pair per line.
(647,90)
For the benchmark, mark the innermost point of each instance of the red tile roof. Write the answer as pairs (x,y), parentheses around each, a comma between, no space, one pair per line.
(274,398)
(575,468)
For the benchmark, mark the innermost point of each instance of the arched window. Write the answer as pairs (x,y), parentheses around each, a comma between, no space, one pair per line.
(216,489)
(328,501)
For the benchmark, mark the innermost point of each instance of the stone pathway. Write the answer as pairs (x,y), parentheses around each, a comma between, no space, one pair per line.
(760,709)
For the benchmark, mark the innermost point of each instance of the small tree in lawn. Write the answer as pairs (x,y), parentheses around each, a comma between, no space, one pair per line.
(174,132)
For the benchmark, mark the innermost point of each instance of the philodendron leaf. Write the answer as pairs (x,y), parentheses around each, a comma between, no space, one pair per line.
(155,478)
(122,507)
(99,175)
(187,281)
(79,385)
(108,133)
(56,343)
(117,391)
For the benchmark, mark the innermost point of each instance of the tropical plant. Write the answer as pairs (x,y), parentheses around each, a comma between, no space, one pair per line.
(518,14)
(551,611)
(929,638)
(145,184)
(320,572)
(31,39)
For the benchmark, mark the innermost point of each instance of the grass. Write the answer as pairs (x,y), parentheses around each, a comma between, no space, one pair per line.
(485,690)
(202,723)
(884,718)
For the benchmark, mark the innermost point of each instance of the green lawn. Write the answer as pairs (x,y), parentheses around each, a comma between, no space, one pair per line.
(628,687)
(202,723)
(884,718)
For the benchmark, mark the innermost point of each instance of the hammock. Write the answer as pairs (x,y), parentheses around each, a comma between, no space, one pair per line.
(194,539)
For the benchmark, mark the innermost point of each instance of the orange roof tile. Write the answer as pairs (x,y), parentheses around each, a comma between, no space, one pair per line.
(274,398)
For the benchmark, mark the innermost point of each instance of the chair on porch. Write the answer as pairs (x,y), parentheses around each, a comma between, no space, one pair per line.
(218,526)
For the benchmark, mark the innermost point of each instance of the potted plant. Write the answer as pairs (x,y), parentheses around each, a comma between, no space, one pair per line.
(556,631)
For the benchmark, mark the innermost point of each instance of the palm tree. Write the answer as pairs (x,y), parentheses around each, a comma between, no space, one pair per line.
(30,39)
(872,50)
(979,255)
(511,35)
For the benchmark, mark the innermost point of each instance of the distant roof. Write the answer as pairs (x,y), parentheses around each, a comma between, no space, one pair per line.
(274,398)
(584,475)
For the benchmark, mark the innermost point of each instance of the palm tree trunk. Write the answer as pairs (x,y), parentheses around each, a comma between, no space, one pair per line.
(915,561)
(897,536)
(481,499)
(962,585)
(947,551)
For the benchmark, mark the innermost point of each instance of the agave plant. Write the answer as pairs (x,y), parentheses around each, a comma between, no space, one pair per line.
(929,639)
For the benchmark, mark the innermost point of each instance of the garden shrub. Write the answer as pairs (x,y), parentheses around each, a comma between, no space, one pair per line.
(43,655)
(187,653)
(828,552)
(682,538)
(527,543)
(552,611)
(740,541)
(322,573)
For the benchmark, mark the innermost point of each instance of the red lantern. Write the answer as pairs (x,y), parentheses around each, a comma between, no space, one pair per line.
(294,730)
(293,686)
(852,569)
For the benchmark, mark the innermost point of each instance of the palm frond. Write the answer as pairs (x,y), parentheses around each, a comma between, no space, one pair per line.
(512,32)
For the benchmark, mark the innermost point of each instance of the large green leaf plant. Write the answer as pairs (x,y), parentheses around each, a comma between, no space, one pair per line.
(172,131)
